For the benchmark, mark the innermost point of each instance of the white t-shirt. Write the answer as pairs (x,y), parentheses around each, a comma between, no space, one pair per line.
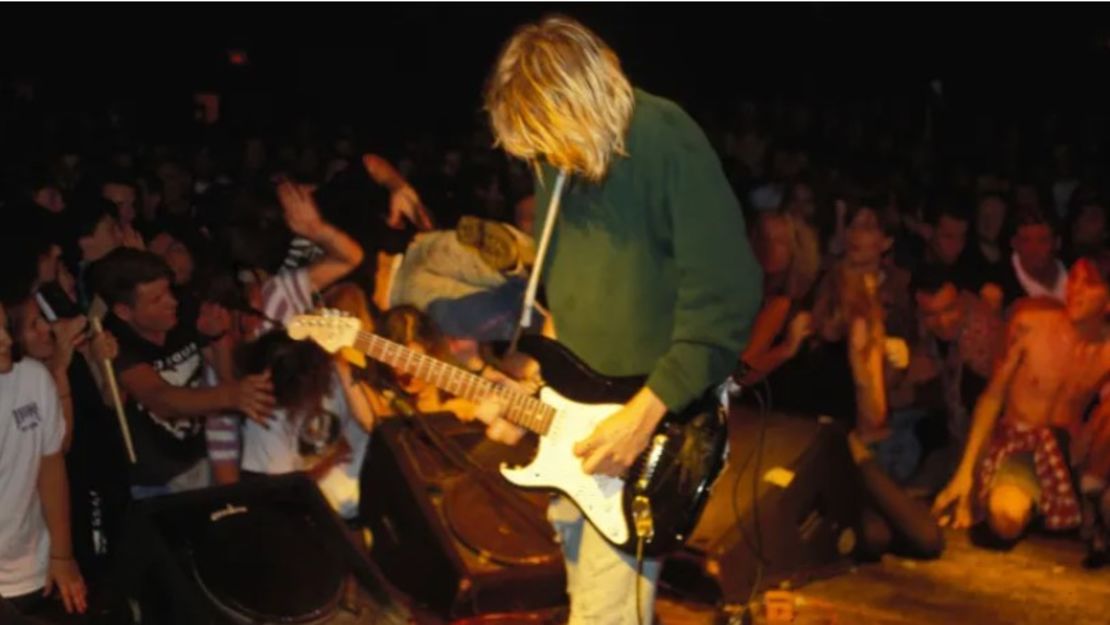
(31,426)
(277,448)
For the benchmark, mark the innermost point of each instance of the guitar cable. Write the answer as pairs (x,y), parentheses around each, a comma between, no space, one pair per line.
(639,574)
(761,560)
(756,547)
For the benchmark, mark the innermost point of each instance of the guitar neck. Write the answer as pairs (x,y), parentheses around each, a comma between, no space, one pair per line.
(520,409)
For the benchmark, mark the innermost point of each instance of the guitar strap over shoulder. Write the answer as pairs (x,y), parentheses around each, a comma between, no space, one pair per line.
(541,255)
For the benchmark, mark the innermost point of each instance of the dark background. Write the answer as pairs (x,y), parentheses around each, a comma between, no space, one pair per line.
(396,68)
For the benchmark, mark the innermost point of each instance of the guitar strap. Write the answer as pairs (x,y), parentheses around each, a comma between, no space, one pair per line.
(541,255)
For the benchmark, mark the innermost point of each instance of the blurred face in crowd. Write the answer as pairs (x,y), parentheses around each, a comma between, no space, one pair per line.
(106,237)
(124,197)
(774,244)
(452,163)
(524,214)
(33,333)
(50,198)
(1035,245)
(1026,197)
(949,238)
(1087,295)
(1088,232)
(52,269)
(941,312)
(176,186)
(865,241)
(801,202)
(154,309)
(176,255)
(152,202)
(990,216)
(123,160)
(5,343)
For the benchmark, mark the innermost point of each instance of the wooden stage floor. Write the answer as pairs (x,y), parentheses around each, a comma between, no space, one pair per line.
(1039,582)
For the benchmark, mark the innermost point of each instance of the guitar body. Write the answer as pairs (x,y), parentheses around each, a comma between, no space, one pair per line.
(650,510)
(666,488)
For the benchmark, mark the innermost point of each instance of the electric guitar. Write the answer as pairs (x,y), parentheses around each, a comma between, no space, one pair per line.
(650,510)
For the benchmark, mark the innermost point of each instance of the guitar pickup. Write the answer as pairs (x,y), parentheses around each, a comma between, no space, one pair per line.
(651,462)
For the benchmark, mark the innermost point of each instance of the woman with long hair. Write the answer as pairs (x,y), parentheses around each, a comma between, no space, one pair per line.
(787,250)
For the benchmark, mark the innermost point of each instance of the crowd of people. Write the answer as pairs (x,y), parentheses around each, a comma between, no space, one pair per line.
(945,299)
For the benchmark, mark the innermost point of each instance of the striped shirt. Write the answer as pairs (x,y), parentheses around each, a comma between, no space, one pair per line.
(284,295)
(221,433)
(301,253)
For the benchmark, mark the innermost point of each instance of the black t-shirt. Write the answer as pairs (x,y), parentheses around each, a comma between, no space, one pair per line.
(164,448)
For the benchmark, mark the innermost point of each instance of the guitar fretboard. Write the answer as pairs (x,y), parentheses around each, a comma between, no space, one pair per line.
(521,409)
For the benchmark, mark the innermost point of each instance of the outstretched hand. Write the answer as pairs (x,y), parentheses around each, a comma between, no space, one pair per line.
(301,213)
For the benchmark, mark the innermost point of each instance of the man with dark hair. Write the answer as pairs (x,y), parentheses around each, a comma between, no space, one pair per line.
(181,246)
(961,338)
(124,192)
(987,248)
(1034,269)
(948,236)
(160,369)
(96,230)
(40,195)
(945,238)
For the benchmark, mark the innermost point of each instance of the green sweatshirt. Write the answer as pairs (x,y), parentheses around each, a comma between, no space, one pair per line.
(650,271)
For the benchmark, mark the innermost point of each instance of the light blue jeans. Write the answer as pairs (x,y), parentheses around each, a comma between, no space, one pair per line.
(601,579)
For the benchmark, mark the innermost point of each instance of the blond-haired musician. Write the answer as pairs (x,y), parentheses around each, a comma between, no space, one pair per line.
(649,270)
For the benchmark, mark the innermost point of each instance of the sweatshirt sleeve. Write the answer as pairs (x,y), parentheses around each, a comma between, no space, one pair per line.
(720,283)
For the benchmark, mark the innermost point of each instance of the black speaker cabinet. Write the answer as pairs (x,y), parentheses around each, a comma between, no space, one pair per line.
(792,500)
(448,530)
(266,550)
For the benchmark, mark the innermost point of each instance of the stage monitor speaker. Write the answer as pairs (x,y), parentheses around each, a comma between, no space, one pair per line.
(788,497)
(265,550)
(448,530)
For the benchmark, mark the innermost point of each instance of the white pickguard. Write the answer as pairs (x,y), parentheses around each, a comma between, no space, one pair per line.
(599,497)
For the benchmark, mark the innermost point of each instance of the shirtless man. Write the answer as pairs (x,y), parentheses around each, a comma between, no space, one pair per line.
(1056,359)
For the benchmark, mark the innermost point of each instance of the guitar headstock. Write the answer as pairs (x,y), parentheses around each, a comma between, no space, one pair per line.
(331,329)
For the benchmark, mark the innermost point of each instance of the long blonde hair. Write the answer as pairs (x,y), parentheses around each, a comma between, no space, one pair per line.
(805,254)
(557,92)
